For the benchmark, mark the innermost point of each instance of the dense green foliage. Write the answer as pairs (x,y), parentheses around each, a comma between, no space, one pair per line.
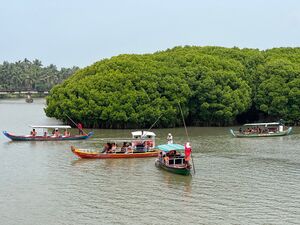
(214,86)
(31,76)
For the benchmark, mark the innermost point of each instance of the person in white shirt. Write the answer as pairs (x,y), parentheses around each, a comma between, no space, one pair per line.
(170,138)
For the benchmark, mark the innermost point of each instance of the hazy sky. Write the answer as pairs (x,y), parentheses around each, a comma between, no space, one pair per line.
(73,32)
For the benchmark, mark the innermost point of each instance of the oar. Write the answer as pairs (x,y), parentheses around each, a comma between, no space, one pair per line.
(74,122)
(187,135)
(154,123)
(193,162)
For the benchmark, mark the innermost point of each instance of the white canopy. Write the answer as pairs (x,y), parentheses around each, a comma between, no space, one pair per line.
(51,126)
(262,124)
(143,134)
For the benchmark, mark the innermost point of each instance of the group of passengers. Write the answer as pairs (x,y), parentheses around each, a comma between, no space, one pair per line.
(257,130)
(166,156)
(55,133)
(113,148)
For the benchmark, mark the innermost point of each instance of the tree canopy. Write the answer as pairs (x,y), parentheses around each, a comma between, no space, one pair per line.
(31,76)
(214,85)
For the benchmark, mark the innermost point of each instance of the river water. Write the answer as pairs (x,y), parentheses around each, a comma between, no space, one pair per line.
(237,181)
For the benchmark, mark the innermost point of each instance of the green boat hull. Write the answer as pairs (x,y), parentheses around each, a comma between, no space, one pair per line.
(182,170)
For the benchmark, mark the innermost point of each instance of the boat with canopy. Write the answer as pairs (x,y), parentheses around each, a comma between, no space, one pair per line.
(172,159)
(272,129)
(55,135)
(141,145)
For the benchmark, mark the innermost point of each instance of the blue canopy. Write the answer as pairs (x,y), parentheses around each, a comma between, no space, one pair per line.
(170,147)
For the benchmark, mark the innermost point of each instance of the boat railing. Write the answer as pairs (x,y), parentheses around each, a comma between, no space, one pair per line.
(86,150)
(177,160)
(129,150)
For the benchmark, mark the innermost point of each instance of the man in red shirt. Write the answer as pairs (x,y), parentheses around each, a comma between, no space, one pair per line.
(187,152)
(79,126)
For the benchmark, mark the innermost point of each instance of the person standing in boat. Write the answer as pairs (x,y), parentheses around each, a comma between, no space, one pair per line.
(187,153)
(80,131)
(170,138)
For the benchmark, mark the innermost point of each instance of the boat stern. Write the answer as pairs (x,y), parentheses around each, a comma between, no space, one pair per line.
(232,132)
(7,134)
(289,130)
(90,134)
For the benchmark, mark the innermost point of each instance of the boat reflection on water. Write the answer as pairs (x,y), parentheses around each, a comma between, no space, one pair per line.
(78,162)
(130,164)
(177,181)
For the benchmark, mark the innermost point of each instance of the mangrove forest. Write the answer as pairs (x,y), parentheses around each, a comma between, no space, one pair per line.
(212,86)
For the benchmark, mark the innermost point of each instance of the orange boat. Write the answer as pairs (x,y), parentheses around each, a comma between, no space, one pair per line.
(89,154)
(140,146)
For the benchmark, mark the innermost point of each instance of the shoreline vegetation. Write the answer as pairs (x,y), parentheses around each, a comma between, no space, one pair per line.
(30,76)
(23,95)
(216,86)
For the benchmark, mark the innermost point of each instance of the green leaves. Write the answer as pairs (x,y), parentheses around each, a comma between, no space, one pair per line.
(214,85)
(31,76)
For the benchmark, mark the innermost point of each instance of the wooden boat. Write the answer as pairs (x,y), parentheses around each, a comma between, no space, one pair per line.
(94,154)
(273,129)
(29,99)
(172,160)
(45,136)
(140,146)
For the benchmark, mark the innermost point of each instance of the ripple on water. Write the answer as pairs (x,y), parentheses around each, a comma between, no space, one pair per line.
(237,181)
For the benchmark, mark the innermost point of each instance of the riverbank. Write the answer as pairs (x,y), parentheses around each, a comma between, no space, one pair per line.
(23,95)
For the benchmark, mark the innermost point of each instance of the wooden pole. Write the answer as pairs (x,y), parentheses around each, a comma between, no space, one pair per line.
(74,123)
(187,135)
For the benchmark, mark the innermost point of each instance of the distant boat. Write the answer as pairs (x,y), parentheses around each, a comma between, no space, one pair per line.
(172,160)
(56,136)
(140,146)
(273,129)
(29,99)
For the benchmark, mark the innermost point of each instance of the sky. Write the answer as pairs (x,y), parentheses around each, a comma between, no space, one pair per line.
(70,33)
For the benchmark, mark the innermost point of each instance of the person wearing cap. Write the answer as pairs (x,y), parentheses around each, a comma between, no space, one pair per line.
(170,138)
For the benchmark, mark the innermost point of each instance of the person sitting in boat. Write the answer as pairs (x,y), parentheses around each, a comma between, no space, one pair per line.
(172,153)
(160,156)
(129,148)
(67,133)
(110,148)
(114,147)
(166,159)
(105,148)
(33,132)
(124,147)
(170,138)
(45,134)
(56,133)
(146,146)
